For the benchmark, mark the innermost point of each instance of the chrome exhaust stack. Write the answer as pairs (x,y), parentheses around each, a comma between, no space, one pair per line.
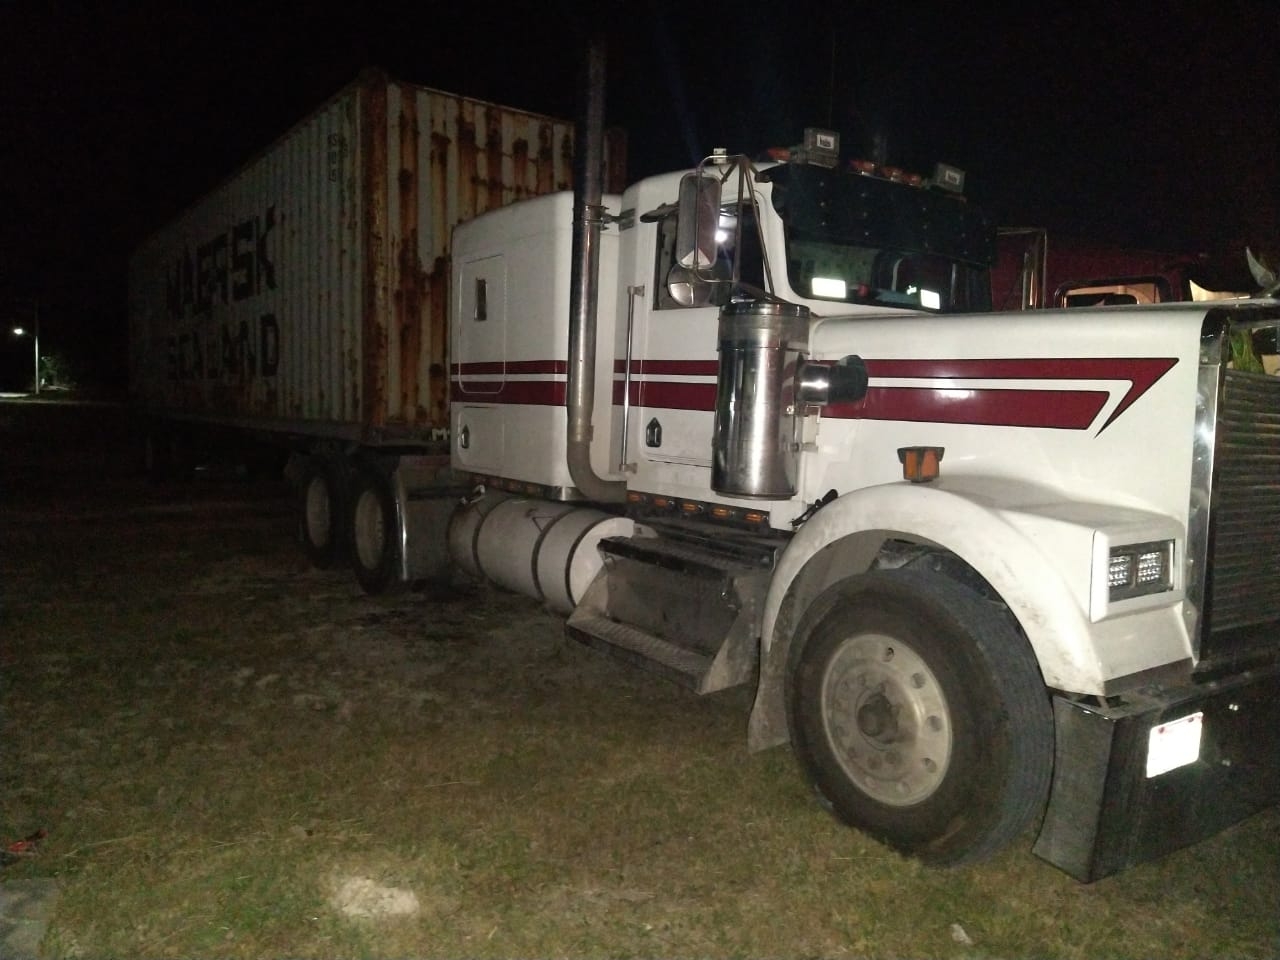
(588,217)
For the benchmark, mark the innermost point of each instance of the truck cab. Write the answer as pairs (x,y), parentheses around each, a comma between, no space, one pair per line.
(782,232)
(982,573)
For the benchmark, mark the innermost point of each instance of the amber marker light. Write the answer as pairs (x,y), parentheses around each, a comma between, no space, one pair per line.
(920,464)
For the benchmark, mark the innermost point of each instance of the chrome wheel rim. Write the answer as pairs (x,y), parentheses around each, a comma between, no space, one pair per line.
(886,719)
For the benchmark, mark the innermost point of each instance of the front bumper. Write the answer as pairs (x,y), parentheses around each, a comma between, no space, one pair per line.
(1105,813)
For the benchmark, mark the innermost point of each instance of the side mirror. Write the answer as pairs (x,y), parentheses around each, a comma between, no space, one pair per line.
(688,289)
(699,217)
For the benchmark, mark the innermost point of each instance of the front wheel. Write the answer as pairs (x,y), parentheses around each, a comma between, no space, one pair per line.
(920,716)
(375,534)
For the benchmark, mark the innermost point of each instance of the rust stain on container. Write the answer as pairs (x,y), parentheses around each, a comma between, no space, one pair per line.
(520,168)
(566,161)
(438,325)
(408,307)
(545,178)
(466,177)
(310,291)
(439,176)
(493,162)
(373,101)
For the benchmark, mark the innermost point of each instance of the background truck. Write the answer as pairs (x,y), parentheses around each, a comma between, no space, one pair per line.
(1033,270)
(753,423)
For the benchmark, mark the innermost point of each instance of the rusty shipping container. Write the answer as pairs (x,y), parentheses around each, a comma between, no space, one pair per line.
(308,294)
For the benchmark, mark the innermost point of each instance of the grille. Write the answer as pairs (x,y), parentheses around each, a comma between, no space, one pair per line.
(1243,590)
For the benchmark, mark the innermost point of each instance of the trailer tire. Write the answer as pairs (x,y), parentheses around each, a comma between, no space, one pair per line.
(322,514)
(375,550)
(920,716)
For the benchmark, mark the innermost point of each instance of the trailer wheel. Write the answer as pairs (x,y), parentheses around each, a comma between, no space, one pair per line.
(321,514)
(375,550)
(920,717)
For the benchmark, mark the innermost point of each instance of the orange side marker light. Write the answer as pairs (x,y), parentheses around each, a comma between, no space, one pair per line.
(920,464)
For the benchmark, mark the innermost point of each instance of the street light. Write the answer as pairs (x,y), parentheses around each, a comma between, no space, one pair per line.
(35,338)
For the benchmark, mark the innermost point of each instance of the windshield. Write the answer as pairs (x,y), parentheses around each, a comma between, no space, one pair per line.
(858,239)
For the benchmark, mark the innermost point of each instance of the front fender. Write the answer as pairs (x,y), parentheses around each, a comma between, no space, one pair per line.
(1038,551)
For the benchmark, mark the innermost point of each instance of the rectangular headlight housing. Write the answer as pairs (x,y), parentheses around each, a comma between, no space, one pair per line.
(1139,569)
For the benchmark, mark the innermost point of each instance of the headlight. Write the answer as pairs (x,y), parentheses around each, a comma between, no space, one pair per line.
(1138,569)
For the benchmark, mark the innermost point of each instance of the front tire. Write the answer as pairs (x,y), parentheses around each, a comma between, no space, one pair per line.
(920,716)
(375,534)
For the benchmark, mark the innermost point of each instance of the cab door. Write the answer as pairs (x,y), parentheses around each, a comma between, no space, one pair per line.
(673,346)
(480,328)
(479,368)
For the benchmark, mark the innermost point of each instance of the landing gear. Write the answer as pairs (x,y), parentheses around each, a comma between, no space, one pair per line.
(920,716)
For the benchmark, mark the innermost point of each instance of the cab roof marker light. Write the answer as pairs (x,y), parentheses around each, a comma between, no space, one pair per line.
(821,148)
(947,177)
(816,138)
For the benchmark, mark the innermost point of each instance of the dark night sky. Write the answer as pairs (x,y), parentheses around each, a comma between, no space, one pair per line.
(1150,125)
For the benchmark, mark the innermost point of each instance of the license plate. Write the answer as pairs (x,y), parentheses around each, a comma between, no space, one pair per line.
(1174,744)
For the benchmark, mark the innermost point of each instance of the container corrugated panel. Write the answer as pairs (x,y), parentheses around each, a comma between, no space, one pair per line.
(309,293)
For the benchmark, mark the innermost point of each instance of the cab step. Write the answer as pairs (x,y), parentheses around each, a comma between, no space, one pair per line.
(677,663)
(682,599)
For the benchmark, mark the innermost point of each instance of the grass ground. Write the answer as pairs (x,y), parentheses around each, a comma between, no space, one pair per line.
(237,756)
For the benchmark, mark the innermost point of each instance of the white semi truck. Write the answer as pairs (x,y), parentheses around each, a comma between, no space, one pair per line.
(752,423)
(984,571)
